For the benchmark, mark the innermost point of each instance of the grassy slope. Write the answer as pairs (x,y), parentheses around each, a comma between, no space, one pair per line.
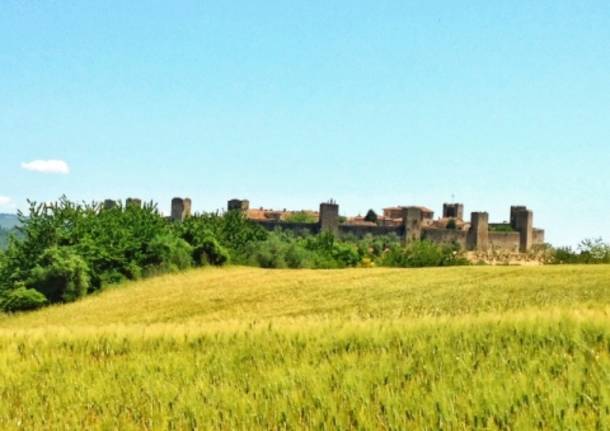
(251,348)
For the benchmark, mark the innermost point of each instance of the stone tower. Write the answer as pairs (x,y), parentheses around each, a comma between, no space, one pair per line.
(238,205)
(454,210)
(187,208)
(133,202)
(514,222)
(109,204)
(478,235)
(412,223)
(181,209)
(525,222)
(329,217)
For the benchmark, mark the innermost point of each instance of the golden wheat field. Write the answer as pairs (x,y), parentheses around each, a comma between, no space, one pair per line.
(248,348)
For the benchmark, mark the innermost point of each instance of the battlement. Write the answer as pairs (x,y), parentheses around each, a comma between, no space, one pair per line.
(411,223)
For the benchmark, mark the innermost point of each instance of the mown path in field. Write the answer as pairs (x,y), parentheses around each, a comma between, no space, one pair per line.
(247,348)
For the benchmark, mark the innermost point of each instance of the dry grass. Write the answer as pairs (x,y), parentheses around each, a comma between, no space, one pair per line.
(247,348)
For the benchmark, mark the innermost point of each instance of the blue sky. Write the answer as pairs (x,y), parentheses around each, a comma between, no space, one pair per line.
(292,103)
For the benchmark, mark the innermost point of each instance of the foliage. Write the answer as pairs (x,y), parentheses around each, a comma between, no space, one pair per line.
(4,238)
(589,251)
(284,249)
(237,233)
(203,231)
(22,298)
(512,348)
(210,251)
(371,216)
(168,253)
(301,217)
(66,249)
(60,274)
(424,253)
(451,224)
(500,227)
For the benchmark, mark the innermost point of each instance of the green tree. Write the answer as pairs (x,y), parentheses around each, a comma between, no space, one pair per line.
(60,274)
(371,216)
(301,217)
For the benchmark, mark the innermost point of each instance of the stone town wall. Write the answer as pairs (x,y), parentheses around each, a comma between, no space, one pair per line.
(538,236)
(446,236)
(508,241)
(479,237)
(312,228)
(363,230)
(343,229)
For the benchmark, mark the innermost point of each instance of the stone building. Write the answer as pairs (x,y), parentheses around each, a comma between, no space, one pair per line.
(416,222)
(181,209)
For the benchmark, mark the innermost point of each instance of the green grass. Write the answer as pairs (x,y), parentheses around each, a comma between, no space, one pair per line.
(247,348)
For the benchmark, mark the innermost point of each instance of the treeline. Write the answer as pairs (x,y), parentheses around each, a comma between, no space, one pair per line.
(589,251)
(66,250)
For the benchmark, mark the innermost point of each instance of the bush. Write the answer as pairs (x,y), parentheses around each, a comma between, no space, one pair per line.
(298,257)
(209,251)
(594,251)
(590,251)
(419,254)
(283,249)
(301,217)
(61,275)
(22,299)
(270,253)
(237,233)
(167,253)
(345,254)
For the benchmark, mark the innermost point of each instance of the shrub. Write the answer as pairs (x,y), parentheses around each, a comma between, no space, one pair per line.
(501,227)
(590,251)
(270,253)
(209,251)
(564,255)
(167,253)
(298,257)
(237,233)
(424,253)
(345,254)
(301,217)
(594,251)
(22,299)
(61,275)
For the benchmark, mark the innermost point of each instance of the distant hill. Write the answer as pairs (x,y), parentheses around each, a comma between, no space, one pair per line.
(7,226)
(8,221)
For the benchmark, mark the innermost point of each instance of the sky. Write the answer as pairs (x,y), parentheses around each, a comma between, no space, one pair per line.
(289,104)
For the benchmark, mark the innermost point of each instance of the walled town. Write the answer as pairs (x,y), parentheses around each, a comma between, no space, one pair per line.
(411,223)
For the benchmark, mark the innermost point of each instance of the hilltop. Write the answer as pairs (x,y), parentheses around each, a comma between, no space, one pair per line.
(249,348)
(242,295)
(8,221)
